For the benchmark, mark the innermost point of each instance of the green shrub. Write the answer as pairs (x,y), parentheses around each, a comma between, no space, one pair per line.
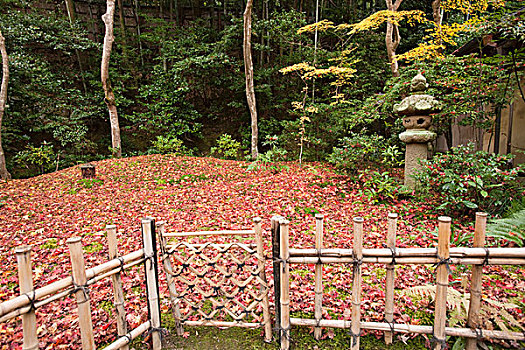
(356,151)
(167,144)
(363,151)
(464,180)
(41,157)
(227,147)
(379,186)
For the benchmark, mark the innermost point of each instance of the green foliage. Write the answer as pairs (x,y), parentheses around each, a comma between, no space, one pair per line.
(89,183)
(360,151)
(41,157)
(227,147)
(269,159)
(379,186)
(166,145)
(511,227)
(465,180)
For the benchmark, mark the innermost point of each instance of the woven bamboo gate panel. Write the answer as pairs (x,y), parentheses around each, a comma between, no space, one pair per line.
(215,284)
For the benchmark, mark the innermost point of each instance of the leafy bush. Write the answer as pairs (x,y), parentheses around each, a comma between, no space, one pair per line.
(379,186)
(227,147)
(362,151)
(167,144)
(41,157)
(464,180)
(356,151)
(268,159)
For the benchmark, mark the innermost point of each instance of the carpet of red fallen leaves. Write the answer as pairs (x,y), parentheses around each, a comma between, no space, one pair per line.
(202,194)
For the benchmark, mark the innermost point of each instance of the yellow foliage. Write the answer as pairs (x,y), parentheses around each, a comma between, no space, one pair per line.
(376,19)
(470,6)
(321,26)
(299,67)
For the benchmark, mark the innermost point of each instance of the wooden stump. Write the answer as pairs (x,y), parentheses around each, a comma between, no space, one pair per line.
(88,171)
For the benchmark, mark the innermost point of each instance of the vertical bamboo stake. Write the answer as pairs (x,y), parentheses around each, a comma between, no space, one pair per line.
(285,285)
(81,293)
(262,276)
(318,299)
(118,292)
(390,275)
(151,285)
(473,320)
(166,262)
(25,278)
(440,313)
(356,286)
(276,253)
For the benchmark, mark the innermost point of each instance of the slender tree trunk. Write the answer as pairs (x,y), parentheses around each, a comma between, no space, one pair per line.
(70,7)
(104,76)
(248,70)
(392,38)
(436,14)
(4,174)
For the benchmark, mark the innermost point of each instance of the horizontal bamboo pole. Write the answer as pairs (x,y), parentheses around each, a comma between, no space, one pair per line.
(414,252)
(221,324)
(210,233)
(22,301)
(123,341)
(408,328)
(408,260)
(171,247)
(38,304)
(115,271)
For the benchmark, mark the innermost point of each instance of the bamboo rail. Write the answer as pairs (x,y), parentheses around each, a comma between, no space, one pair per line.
(118,292)
(318,301)
(355,328)
(263,285)
(473,320)
(9,307)
(81,293)
(408,328)
(390,275)
(77,284)
(441,257)
(442,271)
(151,283)
(123,341)
(285,285)
(210,233)
(25,276)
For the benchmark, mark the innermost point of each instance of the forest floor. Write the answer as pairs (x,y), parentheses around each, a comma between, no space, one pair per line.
(192,194)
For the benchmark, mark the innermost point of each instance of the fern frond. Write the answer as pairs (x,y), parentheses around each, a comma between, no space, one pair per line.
(511,228)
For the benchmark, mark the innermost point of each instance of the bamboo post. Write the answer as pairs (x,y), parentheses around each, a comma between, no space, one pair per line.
(440,313)
(262,276)
(166,262)
(473,320)
(118,292)
(151,283)
(318,299)
(285,285)
(356,285)
(276,253)
(81,292)
(25,278)
(390,275)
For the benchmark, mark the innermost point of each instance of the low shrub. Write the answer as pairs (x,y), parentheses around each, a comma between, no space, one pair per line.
(227,148)
(465,180)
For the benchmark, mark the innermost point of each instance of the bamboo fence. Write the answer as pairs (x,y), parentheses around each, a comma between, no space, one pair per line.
(441,257)
(217,284)
(30,299)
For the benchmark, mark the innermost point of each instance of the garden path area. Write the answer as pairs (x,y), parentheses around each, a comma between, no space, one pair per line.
(193,194)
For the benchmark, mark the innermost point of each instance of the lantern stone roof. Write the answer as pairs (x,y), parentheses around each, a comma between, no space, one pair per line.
(418,103)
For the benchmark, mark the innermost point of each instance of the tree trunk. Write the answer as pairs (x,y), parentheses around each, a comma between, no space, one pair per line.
(248,70)
(70,7)
(104,76)
(392,38)
(4,174)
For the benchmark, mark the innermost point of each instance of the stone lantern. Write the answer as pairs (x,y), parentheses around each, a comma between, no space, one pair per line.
(415,111)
